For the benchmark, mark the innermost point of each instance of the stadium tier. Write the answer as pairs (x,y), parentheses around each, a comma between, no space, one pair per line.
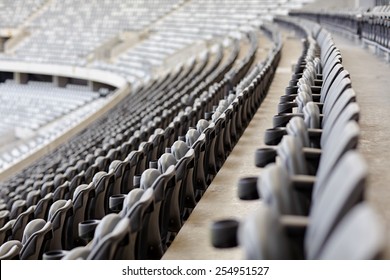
(118,119)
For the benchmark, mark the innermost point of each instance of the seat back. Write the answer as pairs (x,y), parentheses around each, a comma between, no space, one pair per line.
(35,237)
(344,139)
(99,205)
(274,187)
(42,208)
(139,216)
(10,250)
(339,194)
(109,234)
(81,204)
(20,223)
(291,155)
(262,237)
(59,215)
(360,235)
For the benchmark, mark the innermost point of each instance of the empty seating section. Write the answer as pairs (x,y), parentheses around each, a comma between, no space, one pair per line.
(84,29)
(35,113)
(124,186)
(163,121)
(313,180)
(14,13)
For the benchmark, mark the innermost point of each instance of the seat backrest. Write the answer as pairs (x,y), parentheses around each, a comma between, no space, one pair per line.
(6,231)
(102,182)
(33,197)
(81,203)
(291,155)
(77,180)
(35,237)
(61,191)
(344,139)
(311,115)
(274,187)
(340,193)
(152,178)
(169,206)
(105,227)
(42,208)
(109,246)
(78,253)
(133,160)
(21,221)
(59,214)
(117,168)
(296,127)
(336,90)
(10,250)
(4,217)
(139,216)
(344,108)
(360,235)
(199,147)
(339,85)
(131,198)
(262,236)
(18,207)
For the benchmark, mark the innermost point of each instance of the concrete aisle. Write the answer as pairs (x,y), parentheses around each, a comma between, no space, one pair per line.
(220,200)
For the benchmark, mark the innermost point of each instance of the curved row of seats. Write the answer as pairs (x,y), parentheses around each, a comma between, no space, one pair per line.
(82,190)
(312,181)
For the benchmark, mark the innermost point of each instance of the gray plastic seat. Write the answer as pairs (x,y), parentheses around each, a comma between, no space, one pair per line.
(153,245)
(20,223)
(139,216)
(119,168)
(81,202)
(59,214)
(174,216)
(10,250)
(291,156)
(359,236)
(18,207)
(61,191)
(275,188)
(4,217)
(35,237)
(131,198)
(43,206)
(340,194)
(262,236)
(103,182)
(6,231)
(105,227)
(110,246)
(78,253)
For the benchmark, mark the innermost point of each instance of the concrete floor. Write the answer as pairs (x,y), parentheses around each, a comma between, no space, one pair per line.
(370,80)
